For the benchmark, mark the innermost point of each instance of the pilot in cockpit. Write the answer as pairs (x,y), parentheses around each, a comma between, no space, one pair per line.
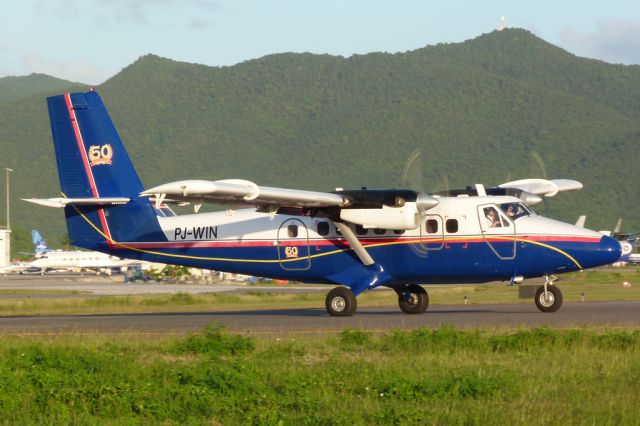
(492,217)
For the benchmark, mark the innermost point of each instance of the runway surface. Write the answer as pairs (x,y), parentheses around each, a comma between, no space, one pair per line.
(310,321)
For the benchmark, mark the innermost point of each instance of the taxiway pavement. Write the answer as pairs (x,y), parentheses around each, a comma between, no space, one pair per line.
(285,321)
(308,321)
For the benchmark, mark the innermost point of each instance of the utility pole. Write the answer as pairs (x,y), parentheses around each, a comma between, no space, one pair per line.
(8,170)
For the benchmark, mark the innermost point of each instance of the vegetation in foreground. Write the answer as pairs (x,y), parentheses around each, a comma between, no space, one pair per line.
(444,376)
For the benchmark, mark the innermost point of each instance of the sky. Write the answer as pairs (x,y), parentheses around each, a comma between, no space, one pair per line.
(89,41)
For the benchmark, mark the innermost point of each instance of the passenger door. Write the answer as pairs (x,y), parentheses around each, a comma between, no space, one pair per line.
(293,245)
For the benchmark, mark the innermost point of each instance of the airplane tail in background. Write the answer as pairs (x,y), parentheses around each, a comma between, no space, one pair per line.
(39,244)
(94,166)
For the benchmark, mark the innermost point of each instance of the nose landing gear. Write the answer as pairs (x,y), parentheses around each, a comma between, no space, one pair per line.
(548,297)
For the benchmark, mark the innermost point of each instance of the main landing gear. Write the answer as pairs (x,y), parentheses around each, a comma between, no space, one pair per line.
(412,299)
(548,297)
(341,302)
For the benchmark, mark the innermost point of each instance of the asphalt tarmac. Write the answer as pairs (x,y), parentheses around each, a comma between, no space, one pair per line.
(289,321)
(317,321)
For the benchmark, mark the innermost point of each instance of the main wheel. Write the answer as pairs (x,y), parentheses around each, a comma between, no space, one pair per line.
(550,302)
(413,299)
(341,302)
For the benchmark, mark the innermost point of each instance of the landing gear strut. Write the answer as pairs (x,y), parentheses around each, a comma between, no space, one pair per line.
(548,297)
(341,302)
(412,299)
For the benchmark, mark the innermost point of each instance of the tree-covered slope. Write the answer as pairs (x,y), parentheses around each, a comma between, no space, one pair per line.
(477,110)
(14,88)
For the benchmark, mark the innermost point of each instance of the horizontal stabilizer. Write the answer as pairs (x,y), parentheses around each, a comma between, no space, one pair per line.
(544,187)
(237,191)
(62,202)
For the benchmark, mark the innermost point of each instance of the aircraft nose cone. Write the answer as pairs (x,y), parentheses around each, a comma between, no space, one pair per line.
(609,250)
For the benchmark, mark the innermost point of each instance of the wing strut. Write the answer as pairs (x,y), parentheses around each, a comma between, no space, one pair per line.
(355,244)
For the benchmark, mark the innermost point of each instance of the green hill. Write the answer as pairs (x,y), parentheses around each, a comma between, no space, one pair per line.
(14,88)
(477,110)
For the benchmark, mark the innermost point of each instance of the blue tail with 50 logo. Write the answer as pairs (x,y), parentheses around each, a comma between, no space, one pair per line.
(93,163)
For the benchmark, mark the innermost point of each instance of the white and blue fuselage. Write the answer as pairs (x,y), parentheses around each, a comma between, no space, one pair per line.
(454,243)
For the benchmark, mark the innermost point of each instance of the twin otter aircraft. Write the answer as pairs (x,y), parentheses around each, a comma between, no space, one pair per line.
(357,239)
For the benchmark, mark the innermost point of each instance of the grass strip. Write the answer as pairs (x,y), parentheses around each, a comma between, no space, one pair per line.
(443,376)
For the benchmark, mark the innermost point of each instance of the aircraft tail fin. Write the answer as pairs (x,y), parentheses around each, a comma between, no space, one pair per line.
(93,164)
(39,244)
(618,227)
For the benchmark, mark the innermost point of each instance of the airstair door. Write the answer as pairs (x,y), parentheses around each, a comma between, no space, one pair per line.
(498,231)
(293,245)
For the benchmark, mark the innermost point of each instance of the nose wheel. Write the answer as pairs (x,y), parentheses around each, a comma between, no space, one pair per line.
(548,298)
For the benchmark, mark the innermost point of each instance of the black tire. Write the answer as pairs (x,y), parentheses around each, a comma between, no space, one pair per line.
(341,302)
(413,299)
(550,304)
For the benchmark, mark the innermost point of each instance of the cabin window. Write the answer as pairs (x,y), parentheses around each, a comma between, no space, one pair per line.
(323,228)
(379,231)
(452,226)
(360,230)
(292,231)
(432,226)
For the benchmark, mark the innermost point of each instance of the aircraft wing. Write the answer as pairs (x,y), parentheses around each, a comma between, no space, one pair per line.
(237,191)
(543,187)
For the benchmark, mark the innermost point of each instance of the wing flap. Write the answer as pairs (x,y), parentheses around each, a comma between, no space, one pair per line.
(236,191)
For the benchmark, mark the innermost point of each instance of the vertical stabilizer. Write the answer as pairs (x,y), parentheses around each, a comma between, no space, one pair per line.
(39,244)
(93,163)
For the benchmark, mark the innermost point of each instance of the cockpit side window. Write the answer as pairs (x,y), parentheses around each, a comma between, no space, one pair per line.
(492,217)
(515,210)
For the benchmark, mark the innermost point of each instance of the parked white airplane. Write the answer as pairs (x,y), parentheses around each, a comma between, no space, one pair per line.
(47,259)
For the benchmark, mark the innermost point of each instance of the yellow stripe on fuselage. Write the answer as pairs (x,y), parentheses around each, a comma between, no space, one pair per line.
(312,256)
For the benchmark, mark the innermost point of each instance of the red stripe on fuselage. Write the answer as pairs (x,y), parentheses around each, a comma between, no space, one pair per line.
(344,243)
(85,161)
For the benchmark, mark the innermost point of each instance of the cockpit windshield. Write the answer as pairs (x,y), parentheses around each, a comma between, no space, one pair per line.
(515,210)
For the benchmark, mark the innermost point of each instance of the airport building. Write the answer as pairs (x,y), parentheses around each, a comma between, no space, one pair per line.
(5,248)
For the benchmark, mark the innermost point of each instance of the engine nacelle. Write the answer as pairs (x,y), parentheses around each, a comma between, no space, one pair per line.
(405,217)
